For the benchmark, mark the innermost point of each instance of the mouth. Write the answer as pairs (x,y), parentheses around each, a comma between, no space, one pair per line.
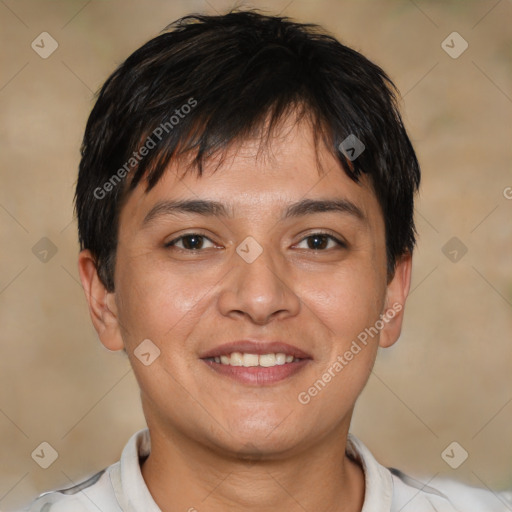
(248,360)
(256,363)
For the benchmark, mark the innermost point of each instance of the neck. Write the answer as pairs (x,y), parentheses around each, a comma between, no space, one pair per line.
(183,475)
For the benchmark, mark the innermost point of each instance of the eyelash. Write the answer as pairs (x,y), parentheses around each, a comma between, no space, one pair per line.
(340,243)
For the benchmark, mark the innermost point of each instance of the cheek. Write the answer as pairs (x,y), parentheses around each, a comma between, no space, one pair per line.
(346,301)
(157,302)
(347,306)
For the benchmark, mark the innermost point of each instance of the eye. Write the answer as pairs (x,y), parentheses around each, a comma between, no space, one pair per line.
(196,242)
(320,241)
(189,242)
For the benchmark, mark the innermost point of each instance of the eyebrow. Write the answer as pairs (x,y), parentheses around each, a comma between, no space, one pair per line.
(209,208)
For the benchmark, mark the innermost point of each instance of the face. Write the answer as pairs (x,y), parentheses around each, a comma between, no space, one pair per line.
(261,270)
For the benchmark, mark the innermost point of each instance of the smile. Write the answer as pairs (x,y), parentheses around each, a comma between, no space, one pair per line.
(256,370)
(248,360)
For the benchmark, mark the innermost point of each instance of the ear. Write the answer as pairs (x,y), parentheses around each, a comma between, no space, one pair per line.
(102,304)
(396,295)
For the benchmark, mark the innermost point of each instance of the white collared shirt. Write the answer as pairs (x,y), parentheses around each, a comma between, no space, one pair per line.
(121,488)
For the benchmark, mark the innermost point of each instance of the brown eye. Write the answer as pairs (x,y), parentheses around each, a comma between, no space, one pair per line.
(189,242)
(320,241)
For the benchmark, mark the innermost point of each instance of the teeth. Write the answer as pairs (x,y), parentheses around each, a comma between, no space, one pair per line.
(251,359)
(247,360)
(280,358)
(267,360)
(236,359)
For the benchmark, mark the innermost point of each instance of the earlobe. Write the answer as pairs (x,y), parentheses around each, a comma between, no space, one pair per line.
(396,295)
(102,307)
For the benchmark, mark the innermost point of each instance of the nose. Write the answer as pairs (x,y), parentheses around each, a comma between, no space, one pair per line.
(261,290)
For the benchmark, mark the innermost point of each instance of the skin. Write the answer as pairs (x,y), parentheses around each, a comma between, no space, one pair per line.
(217,444)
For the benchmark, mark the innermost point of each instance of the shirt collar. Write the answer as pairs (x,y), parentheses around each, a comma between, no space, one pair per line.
(129,485)
(378,480)
(133,494)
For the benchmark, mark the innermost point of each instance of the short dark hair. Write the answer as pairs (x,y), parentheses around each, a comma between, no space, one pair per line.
(222,78)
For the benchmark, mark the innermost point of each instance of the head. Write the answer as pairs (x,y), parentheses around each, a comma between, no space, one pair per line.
(246,123)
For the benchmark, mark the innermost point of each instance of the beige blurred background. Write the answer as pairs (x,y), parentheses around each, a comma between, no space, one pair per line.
(447,379)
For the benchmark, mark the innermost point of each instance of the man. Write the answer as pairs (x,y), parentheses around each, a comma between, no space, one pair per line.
(245,211)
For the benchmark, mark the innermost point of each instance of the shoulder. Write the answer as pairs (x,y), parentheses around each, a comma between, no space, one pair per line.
(91,495)
(391,490)
(444,495)
(112,489)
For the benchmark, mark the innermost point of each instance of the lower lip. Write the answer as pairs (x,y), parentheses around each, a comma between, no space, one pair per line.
(258,375)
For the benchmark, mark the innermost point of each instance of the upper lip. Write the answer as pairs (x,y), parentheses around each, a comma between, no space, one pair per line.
(255,347)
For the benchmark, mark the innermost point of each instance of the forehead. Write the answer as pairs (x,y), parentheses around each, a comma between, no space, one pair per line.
(252,176)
